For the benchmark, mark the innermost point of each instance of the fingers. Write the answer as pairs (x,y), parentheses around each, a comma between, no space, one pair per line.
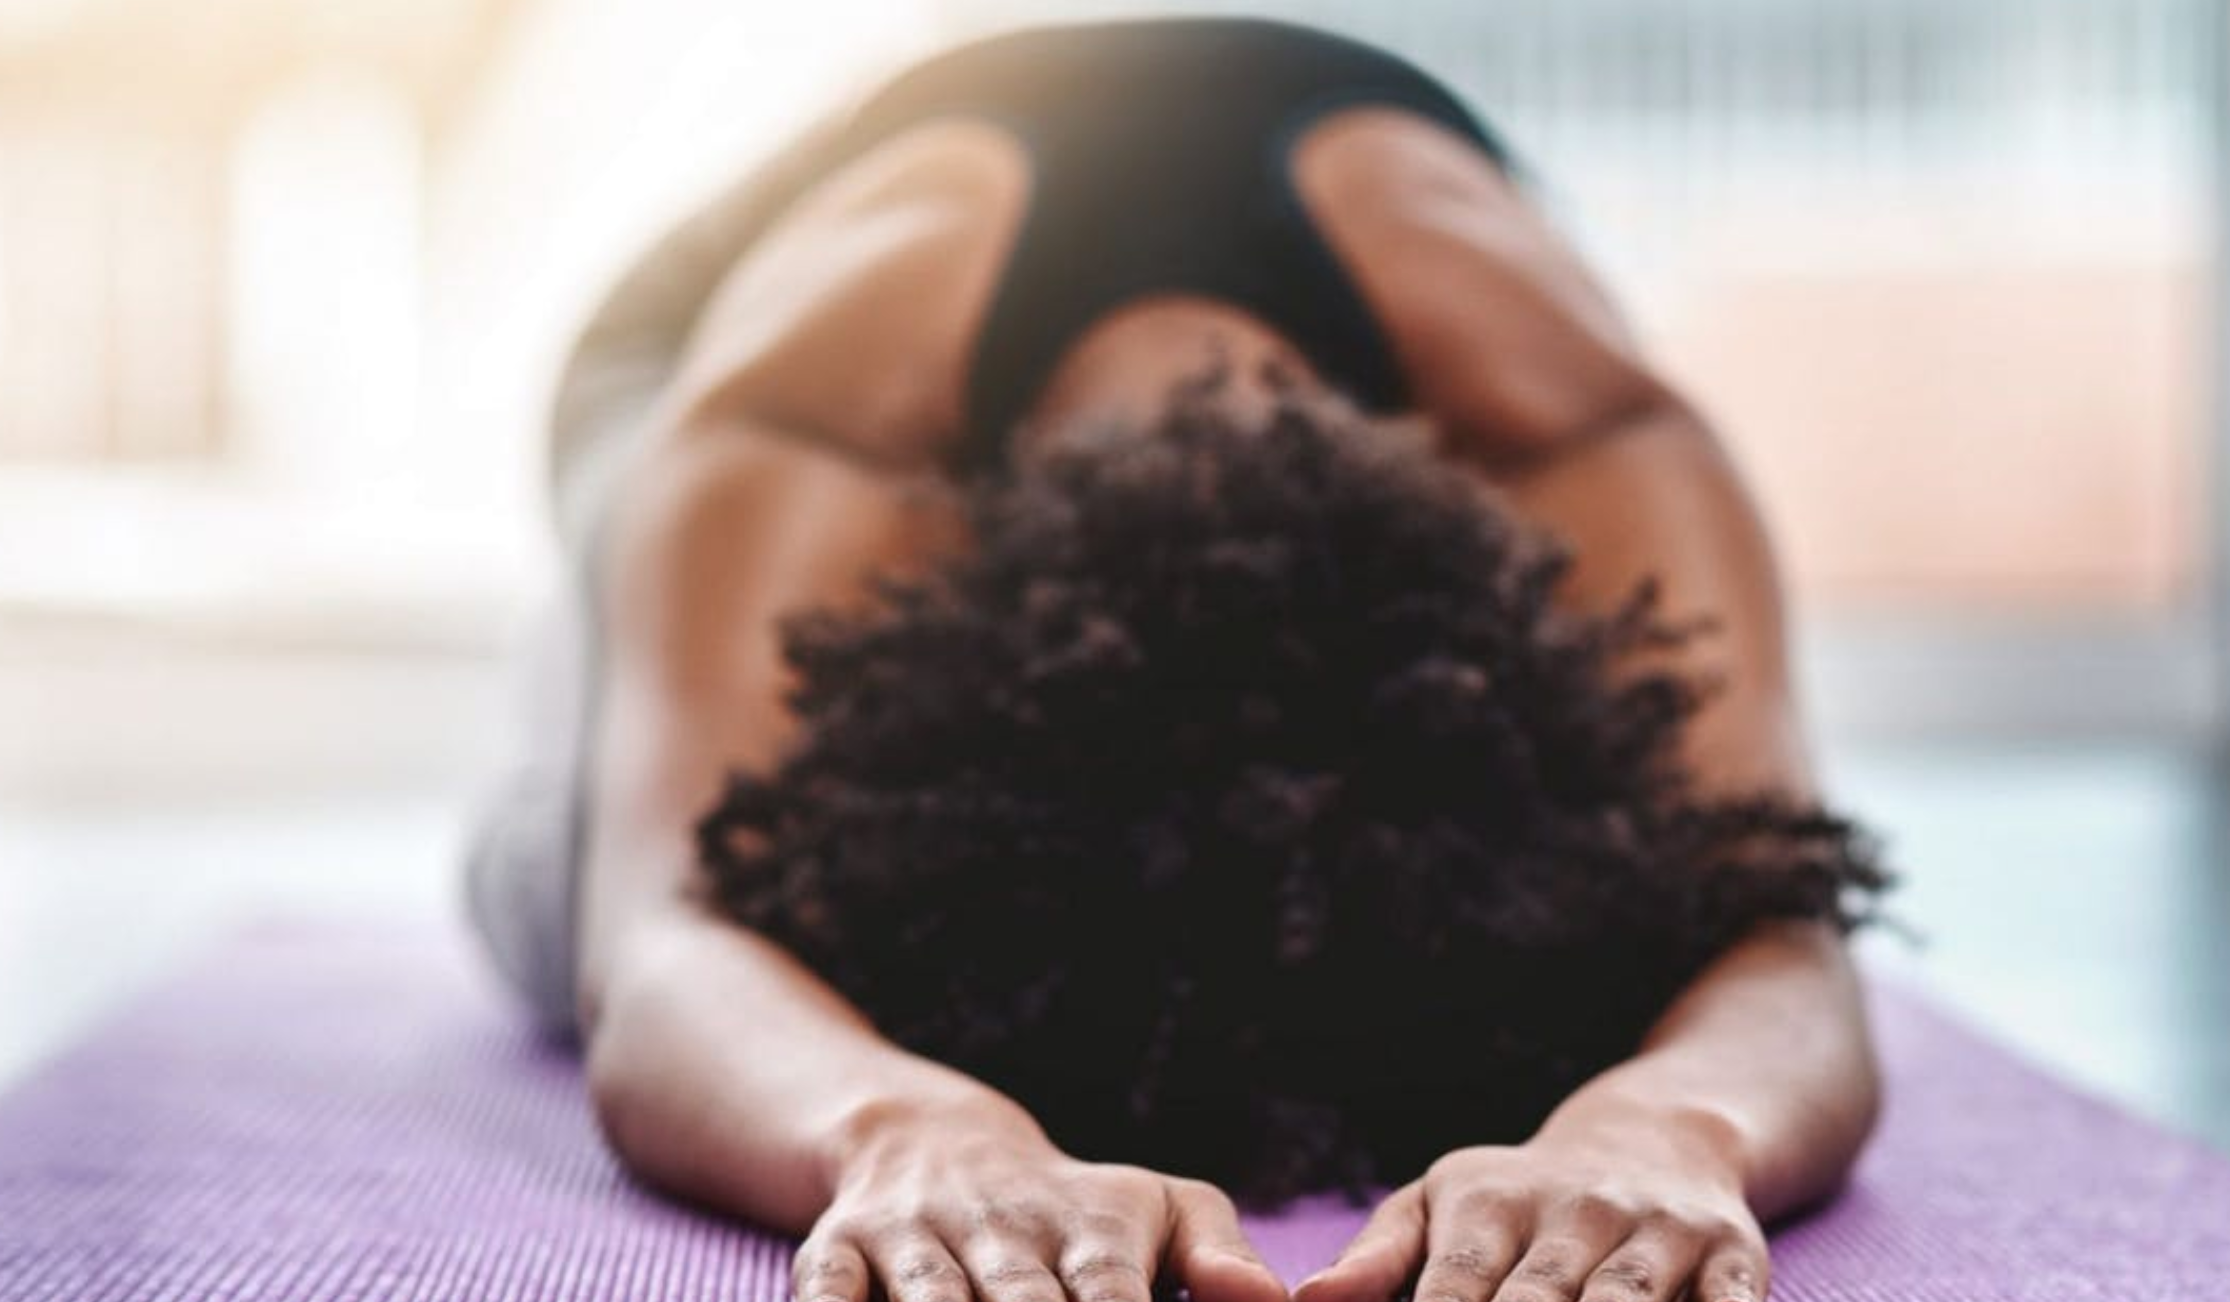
(1652,1266)
(828,1271)
(1379,1259)
(1736,1271)
(1471,1245)
(1210,1254)
(1570,1242)
(917,1267)
(1108,1257)
(1091,1235)
(1596,1254)
(1010,1268)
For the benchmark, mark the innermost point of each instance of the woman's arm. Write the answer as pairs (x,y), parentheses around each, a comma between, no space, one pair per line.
(1755,1090)
(1770,1043)
(691,578)
(724,1070)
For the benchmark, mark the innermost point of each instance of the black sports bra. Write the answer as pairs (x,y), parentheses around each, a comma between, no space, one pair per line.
(1160,155)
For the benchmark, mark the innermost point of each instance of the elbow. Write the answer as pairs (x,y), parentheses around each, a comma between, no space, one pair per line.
(635,1111)
(623,993)
(628,1072)
(1845,1121)
(622,1107)
(1862,1097)
(1866,1097)
(1848,1115)
(1845,1142)
(1813,1163)
(637,1066)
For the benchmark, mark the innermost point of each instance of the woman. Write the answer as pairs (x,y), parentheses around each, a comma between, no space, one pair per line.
(1123,578)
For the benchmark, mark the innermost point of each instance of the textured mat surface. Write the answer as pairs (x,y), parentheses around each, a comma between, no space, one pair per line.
(356,1115)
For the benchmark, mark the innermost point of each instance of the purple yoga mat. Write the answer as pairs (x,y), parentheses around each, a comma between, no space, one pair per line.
(344,1114)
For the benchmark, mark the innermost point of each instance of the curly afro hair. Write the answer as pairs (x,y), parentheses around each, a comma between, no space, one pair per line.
(1241,803)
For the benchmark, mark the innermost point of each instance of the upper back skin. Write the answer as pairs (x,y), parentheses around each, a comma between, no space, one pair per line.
(853,318)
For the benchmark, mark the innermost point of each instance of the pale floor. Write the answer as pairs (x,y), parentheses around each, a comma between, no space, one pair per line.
(2074,898)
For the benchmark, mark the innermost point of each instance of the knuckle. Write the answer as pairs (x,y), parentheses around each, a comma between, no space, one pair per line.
(828,1244)
(1484,1202)
(1624,1276)
(873,1226)
(1096,1222)
(1552,1263)
(820,1274)
(1467,1262)
(1008,1216)
(1595,1207)
(1209,1206)
(1727,1230)
(1003,1271)
(1703,1226)
(1103,1277)
(813,1257)
(1132,1184)
(933,1289)
(1087,1266)
(1447,1168)
(923,1267)
(818,1262)
(1737,1272)
(832,1230)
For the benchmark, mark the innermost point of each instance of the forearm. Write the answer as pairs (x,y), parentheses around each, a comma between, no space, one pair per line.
(1766,1054)
(722,1068)
(727,1073)
(1765,1061)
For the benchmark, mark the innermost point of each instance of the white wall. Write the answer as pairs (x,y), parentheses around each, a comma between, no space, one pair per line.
(596,123)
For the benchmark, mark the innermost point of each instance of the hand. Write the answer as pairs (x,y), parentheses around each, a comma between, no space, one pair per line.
(1627,1215)
(983,1206)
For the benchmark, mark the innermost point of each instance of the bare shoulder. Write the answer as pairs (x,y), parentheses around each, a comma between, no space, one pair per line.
(1503,332)
(852,317)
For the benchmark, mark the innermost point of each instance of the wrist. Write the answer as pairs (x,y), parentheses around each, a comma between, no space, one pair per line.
(1693,1136)
(884,1125)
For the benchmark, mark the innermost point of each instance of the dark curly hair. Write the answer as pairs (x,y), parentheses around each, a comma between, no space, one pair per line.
(1241,803)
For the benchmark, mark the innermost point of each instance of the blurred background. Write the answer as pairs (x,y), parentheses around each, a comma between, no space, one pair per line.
(283,284)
